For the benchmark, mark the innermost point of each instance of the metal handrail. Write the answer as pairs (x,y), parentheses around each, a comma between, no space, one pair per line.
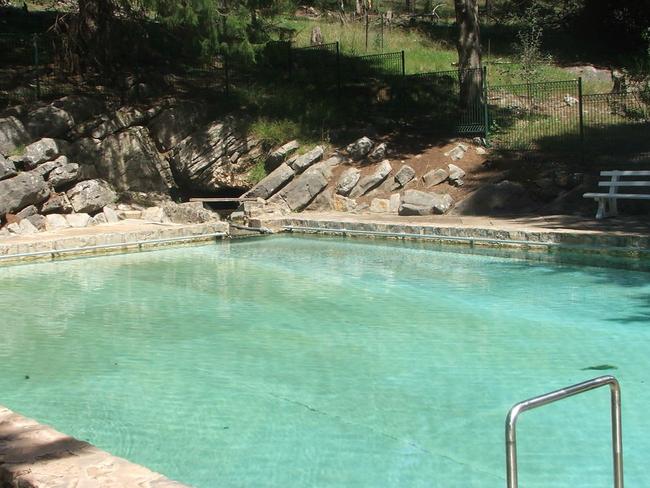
(615,403)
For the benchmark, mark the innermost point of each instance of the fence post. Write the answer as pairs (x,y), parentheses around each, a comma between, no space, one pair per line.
(403,64)
(581,114)
(290,59)
(36,65)
(486,116)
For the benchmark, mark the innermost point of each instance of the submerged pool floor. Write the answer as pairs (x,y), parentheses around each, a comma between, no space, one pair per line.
(312,362)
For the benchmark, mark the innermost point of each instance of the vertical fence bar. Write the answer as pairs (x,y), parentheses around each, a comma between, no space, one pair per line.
(486,115)
(581,116)
(226,66)
(403,64)
(36,65)
(338,69)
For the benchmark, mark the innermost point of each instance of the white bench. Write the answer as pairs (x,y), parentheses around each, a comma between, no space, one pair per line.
(607,201)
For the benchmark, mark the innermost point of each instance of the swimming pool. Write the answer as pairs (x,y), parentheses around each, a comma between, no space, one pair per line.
(299,362)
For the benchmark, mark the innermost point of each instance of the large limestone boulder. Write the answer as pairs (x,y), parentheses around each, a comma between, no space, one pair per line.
(415,202)
(217,157)
(39,152)
(7,168)
(403,176)
(91,196)
(373,180)
(360,148)
(280,155)
(272,183)
(79,107)
(49,121)
(174,124)
(58,203)
(187,213)
(434,177)
(12,135)
(22,190)
(301,163)
(301,191)
(456,175)
(63,176)
(347,181)
(123,118)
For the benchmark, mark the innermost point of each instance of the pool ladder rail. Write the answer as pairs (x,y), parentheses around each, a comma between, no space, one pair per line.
(554,396)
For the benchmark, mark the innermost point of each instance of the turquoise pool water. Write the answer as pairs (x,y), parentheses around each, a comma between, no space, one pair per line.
(312,362)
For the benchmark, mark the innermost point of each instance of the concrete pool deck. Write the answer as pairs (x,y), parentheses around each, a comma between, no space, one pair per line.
(623,235)
(124,236)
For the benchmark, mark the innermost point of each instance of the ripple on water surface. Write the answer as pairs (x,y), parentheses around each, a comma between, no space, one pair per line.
(296,362)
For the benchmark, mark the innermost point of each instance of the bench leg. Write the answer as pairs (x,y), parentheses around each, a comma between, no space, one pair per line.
(613,207)
(600,214)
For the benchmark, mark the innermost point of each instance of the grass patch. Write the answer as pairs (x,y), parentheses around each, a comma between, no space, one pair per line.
(18,151)
(275,132)
(258,173)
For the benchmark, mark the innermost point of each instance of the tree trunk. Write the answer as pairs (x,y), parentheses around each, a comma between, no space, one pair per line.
(469,51)
(90,42)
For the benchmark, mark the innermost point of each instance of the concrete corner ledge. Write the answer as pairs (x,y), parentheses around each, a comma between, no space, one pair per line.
(34,455)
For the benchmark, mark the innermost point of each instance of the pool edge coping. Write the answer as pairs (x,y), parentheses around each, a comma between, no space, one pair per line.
(35,455)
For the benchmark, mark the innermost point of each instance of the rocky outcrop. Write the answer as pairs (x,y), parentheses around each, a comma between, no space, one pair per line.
(64,175)
(217,157)
(49,121)
(174,124)
(39,152)
(22,190)
(301,191)
(415,202)
(12,135)
(91,196)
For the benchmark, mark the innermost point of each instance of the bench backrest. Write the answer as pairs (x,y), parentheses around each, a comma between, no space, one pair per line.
(641,179)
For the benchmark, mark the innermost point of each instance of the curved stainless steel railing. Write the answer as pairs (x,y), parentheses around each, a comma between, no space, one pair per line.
(554,396)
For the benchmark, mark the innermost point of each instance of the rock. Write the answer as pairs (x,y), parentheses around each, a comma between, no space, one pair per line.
(79,107)
(145,199)
(154,214)
(343,204)
(49,121)
(301,163)
(38,221)
(349,178)
(57,203)
(22,190)
(111,215)
(13,228)
(100,218)
(26,227)
(129,160)
(46,168)
(217,157)
(302,190)
(323,202)
(316,37)
(129,214)
(280,155)
(373,180)
(56,222)
(502,197)
(360,148)
(481,151)
(380,205)
(26,212)
(12,135)
(378,153)
(174,124)
(570,101)
(123,118)
(7,168)
(272,183)
(403,176)
(456,175)
(188,213)
(39,152)
(415,202)
(434,177)
(395,200)
(78,219)
(63,175)
(91,196)
(457,152)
